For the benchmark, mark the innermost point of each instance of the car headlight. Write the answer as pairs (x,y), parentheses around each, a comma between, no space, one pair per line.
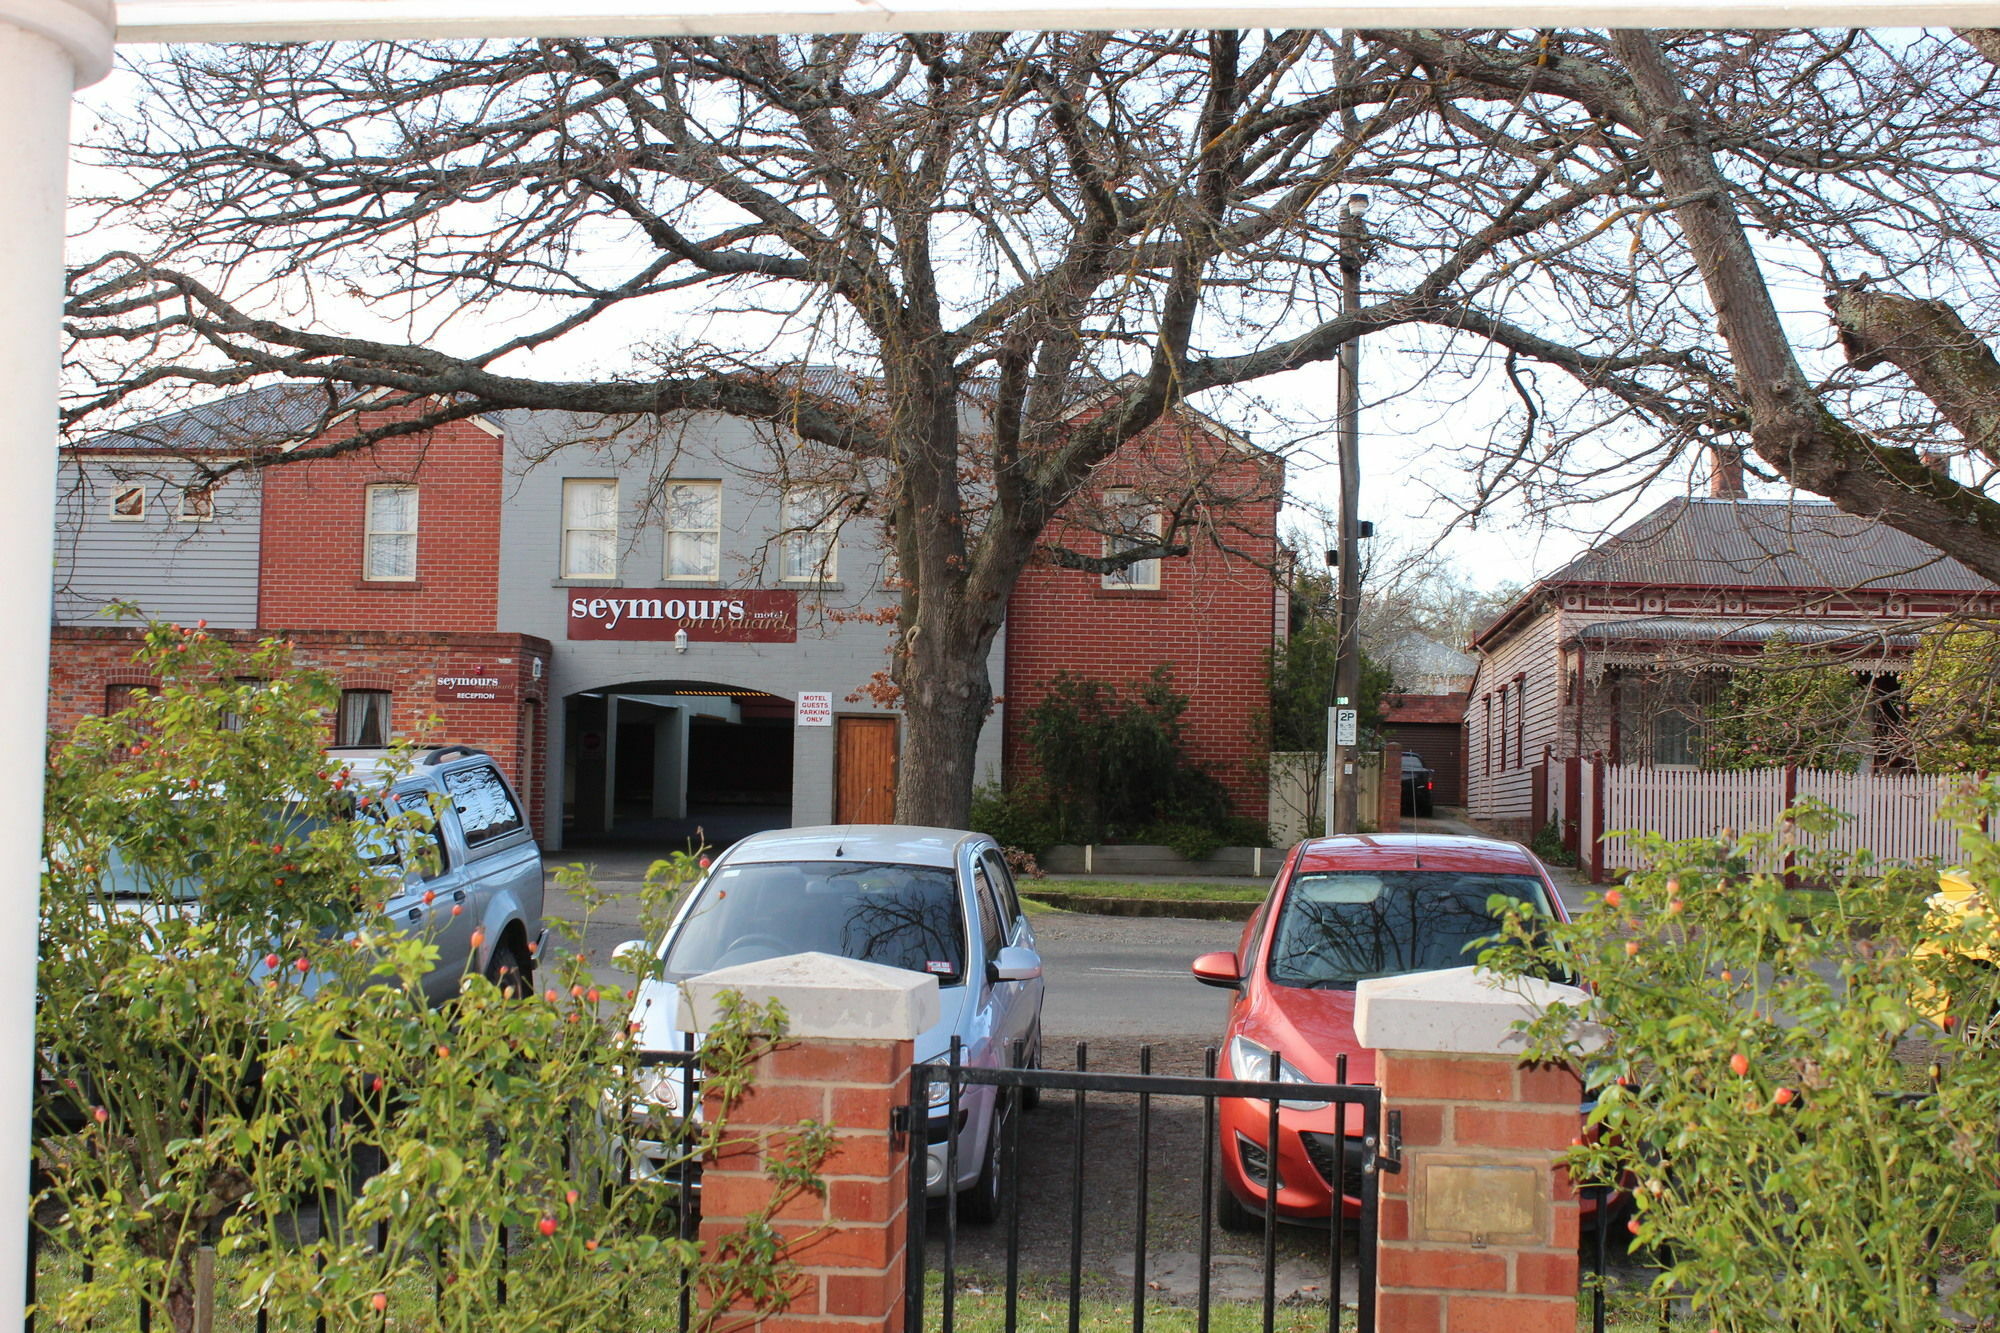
(940,1095)
(1248,1060)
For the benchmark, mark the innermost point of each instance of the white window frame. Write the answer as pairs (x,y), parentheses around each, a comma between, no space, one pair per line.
(1143,576)
(184,514)
(122,490)
(574,486)
(798,537)
(713,573)
(371,534)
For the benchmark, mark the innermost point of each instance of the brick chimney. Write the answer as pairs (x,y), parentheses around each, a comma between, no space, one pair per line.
(1725,472)
(1937,460)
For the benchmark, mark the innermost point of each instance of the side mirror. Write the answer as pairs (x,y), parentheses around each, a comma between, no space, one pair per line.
(1218,969)
(1015,963)
(632,955)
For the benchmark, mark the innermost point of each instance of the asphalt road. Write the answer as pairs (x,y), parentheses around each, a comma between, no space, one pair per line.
(1124,977)
(1111,976)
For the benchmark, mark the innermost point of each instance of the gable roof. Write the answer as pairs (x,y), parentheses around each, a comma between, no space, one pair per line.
(266,417)
(1748,544)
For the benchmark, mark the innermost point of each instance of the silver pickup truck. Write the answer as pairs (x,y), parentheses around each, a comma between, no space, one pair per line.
(486,865)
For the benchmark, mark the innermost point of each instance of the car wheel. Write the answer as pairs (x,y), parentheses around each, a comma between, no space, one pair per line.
(510,972)
(1230,1214)
(981,1203)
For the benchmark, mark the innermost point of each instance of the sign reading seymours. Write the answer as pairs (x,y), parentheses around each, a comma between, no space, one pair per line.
(714,615)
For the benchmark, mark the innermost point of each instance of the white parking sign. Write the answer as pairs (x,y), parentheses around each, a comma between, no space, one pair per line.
(815,708)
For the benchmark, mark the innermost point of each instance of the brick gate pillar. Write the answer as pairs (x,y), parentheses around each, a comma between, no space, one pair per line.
(1479,1228)
(845,1062)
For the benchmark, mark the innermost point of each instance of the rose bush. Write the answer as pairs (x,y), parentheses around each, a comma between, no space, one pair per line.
(263,1074)
(1804,1150)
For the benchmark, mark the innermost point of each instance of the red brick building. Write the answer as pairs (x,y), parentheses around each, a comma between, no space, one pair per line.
(438,578)
(483,689)
(316,535)
(1210,615)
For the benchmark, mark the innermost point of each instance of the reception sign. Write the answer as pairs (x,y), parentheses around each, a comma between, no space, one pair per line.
(709,615)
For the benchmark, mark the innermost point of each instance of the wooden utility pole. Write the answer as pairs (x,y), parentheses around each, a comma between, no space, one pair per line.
(1347,667)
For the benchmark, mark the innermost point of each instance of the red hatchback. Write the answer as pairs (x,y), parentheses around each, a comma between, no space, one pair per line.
(1342,910)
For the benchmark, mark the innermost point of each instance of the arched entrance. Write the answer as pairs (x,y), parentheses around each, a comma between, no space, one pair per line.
(650,762)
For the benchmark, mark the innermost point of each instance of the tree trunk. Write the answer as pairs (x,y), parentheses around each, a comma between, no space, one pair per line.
(946,697)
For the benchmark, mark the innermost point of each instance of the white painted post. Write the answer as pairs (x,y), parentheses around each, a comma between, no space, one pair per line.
(48,49)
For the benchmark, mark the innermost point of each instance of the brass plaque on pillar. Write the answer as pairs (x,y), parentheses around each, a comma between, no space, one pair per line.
(1476,1202)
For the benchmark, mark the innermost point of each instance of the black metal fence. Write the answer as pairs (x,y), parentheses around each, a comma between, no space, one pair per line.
(1366,1151)
(612,1151)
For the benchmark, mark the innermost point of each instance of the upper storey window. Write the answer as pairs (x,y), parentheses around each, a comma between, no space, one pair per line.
(812,535)
(128,503)
(1133,523)
(389,550)
(590,529)
(694,530)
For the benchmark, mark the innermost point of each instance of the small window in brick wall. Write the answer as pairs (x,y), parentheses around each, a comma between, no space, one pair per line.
(391,543)
(118,698)
(364,717)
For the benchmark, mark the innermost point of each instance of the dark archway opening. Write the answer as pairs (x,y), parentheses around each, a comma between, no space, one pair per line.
(668,764)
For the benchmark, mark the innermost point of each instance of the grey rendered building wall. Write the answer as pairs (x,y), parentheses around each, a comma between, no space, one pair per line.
(839,646)
(172,568)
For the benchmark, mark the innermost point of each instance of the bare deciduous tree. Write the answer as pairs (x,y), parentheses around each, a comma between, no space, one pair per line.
(1042,222)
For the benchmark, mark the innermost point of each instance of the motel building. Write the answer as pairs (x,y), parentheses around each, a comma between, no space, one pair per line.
(656,626)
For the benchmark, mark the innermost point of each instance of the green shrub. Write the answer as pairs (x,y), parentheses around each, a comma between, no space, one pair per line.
(1113,762)
(224,1067)
(1793,1170)
(1020,817)
(1548,845)
(1196,842)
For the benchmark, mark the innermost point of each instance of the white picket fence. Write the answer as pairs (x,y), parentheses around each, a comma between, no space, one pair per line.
(1895,814)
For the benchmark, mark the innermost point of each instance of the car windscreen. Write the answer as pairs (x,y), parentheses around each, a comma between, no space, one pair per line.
(897,915)
(1340,927)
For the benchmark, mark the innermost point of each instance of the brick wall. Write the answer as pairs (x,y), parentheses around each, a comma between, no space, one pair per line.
(1477,1116)
(1210,619)
(315,518)
(84,661)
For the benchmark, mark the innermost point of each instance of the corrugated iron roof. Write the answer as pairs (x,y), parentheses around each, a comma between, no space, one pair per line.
(1694,629)
(1767,544)
(262,418)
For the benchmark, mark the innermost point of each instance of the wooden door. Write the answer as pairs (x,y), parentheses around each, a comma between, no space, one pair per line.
(865,770)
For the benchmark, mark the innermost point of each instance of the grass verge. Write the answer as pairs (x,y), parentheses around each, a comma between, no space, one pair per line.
(1155,890)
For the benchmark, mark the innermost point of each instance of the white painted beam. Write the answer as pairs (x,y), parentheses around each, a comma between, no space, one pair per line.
(301,20)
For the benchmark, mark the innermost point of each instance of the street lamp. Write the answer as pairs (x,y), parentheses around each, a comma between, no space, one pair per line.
(1342,816)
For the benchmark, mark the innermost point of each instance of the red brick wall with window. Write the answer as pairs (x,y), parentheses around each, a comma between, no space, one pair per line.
(1210,618)
(84,661)
(315,521)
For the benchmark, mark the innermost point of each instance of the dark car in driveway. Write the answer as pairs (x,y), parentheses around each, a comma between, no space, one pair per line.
(1342,910)
(1419,785)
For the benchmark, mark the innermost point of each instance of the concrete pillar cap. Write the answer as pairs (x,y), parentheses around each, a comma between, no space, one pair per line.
(824,996)
(1460,1010)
